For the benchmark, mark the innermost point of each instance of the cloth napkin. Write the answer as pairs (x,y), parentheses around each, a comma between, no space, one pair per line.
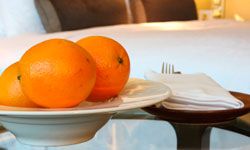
(195,92)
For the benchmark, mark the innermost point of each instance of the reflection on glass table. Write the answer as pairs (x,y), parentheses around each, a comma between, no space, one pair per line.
(136,134)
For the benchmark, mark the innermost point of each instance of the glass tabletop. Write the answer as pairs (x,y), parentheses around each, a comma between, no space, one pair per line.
(136,134)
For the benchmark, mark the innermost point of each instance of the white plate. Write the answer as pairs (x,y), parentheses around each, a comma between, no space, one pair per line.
(137,93)
(53,127)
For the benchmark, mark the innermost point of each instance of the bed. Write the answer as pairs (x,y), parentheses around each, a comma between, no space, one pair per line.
(219,48)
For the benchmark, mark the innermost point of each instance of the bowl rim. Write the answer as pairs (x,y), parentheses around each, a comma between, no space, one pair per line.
(18,111)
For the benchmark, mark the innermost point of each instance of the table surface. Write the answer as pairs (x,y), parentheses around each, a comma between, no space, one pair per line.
(136,134)
(165,140)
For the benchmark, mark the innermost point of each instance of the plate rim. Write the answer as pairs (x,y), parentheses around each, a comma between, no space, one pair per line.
(201,117)
(79,111)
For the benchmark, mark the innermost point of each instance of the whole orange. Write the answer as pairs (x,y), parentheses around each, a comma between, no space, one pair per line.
(112,66)
(11,93)
(57,73)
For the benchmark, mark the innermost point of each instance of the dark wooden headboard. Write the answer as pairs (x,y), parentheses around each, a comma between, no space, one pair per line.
(66,15)
(163,10)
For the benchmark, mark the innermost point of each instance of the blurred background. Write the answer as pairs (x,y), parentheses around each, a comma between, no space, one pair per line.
(229,9)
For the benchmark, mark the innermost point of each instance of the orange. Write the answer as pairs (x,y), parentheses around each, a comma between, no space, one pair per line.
(11,93)
(112,66)
(57,73)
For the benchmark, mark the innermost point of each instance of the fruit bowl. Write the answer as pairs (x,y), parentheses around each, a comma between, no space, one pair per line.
(55,127)
(54,130)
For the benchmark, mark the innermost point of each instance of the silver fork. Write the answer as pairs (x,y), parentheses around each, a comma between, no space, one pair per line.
(168,69)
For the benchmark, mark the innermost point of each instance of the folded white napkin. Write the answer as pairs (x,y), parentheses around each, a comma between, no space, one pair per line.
(195,92)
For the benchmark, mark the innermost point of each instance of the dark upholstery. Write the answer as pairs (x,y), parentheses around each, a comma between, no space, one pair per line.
(169,10)
(64,15)
(48,15)
(137,11)
(79,14)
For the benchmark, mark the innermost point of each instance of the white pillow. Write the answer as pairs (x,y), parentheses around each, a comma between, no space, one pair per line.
(19,17)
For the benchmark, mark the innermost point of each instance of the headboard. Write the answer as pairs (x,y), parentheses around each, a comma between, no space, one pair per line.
(169,10)
(66,15)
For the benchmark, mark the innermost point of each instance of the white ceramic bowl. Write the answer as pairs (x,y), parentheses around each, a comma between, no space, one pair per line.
(54,127)
(54,130)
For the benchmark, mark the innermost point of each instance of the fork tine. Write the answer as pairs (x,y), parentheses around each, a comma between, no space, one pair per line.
(166,68)
(172,69)
(162,68)
(169,69)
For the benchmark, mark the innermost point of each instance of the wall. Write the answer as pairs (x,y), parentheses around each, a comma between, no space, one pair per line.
(237,9)
(233,9)
(203,4)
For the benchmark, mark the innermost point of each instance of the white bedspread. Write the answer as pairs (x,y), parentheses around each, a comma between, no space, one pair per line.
(219,48)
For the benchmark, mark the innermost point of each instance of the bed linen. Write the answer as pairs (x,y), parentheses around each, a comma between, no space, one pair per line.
(219,48)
